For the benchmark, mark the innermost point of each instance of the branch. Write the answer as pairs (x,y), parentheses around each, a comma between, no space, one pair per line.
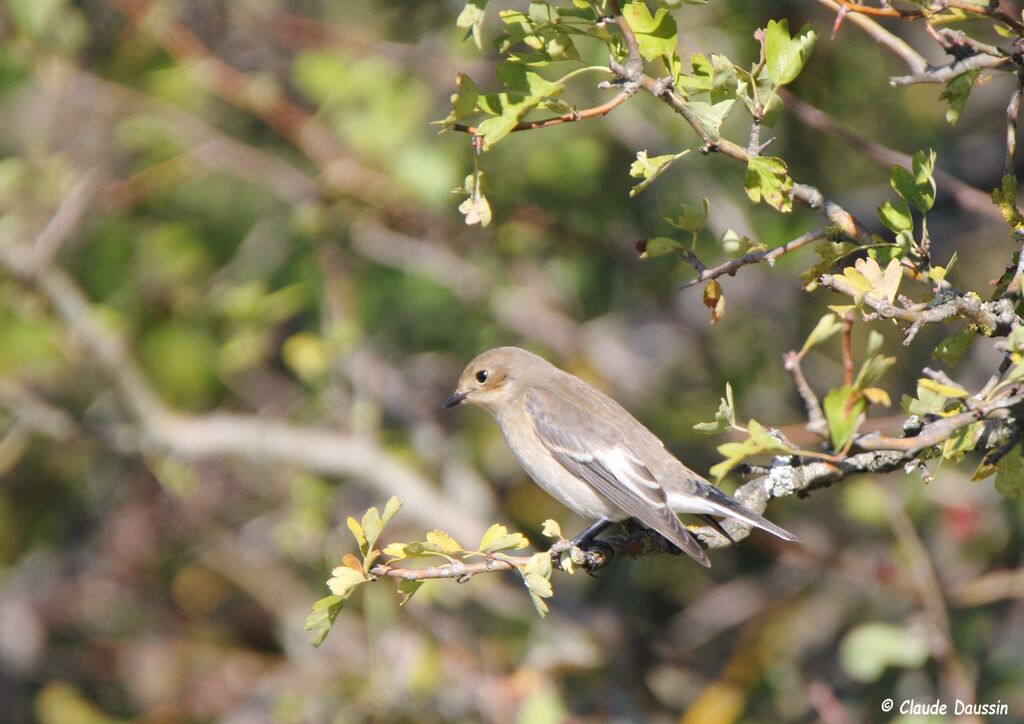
(595,112)
(939,431)
(630,541)
(945,73)
(218,435)
(966,195)
(732,266)
(991,10)
(914,60)
(836,216)
(816,422)
(996,318)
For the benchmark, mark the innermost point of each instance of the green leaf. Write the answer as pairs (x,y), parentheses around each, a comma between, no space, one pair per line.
(324,612)
(717,77)
(464,100)
(829,253)
(873,369)
(526,90)
(916,186)
(928,402)
(759,441)
(944,390)
(956,92)
(393,505)
(953,347)
(825,328)
(1010,474)
(764,439)
(357,532)
(785,56)
(725,418)
(656,35)
(961,441)
(406,590)
(497,538)
(896,217)
(692,218)
(658,246)
(649,169)
(472,18)
(870,648)
(767,179)
(710,116)
(551,529)
(539,30)
(844,409)
(372,526)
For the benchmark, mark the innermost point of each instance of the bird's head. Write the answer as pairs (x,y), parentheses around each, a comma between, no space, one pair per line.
(495,377)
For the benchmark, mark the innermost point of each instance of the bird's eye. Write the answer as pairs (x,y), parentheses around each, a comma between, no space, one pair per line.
(481,376)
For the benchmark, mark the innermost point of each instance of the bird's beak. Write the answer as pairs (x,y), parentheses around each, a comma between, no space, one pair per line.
(455,399)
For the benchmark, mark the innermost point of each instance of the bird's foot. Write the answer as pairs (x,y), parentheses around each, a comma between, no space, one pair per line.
(591,555)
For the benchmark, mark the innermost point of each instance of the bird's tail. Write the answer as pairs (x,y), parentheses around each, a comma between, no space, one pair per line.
(718,503)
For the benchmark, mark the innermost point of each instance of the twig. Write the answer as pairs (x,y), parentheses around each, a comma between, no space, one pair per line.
(940,430)
(572,117)
(816,422)
(914,60)
(67,218)
(838,217)
(848,349)
(996,318)
(732,266)
(630,541)
(456,569)
(949,72)
(966,195)
(633,70)
(991,10)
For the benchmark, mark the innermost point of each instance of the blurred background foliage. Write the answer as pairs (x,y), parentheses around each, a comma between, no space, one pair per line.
(261,273)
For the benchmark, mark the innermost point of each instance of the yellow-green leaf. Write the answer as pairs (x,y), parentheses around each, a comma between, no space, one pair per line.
(357,532)
(497,538)
(551,529)
(877,396)
(343,579)
(444,542)
(825,328)
(944,390)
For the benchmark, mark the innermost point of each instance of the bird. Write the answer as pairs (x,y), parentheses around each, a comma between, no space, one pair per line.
(588,452)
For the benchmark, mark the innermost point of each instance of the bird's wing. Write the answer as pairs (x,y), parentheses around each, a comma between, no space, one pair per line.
(590,447)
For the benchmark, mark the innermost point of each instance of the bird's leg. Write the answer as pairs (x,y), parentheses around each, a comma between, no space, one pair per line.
(713,522)
(591,533)
(586,542)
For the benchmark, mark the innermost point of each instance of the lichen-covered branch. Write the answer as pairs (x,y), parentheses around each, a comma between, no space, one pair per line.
(994,318)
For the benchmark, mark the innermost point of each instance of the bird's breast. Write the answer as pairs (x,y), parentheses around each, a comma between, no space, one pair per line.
(538,462)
